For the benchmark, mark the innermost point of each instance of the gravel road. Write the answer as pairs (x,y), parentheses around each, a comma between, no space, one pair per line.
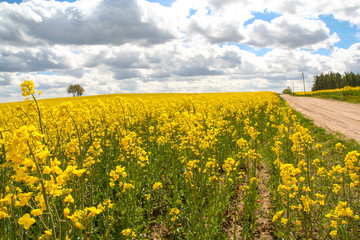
(334,115)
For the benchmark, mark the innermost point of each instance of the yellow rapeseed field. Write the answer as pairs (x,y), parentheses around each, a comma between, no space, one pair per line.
(169,166)
(337,90)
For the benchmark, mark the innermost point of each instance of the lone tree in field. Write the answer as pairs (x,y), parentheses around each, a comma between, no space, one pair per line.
(76,90)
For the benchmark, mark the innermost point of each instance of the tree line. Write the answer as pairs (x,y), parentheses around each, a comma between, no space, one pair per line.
(333,80)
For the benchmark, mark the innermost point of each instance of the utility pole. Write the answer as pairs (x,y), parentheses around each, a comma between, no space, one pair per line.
(304,82)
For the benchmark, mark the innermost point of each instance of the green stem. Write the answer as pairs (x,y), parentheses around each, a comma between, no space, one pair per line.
(39,113)
(43,191)
(81,164)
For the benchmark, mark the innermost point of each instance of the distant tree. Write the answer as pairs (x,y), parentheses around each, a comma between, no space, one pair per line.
(335,80)
(287,91)
(75,90)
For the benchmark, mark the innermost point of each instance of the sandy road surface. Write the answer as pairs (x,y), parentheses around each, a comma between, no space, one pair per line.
(337,116)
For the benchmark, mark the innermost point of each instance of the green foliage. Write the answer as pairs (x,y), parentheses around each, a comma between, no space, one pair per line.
(287,91)
(335,80)
(75,90)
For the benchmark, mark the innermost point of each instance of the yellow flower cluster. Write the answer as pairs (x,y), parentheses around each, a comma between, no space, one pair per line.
(167,165)
(309,187)
(347,88)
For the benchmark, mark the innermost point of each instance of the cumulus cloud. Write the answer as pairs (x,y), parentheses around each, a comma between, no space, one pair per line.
(113,22)
(348,59)
(290,32)
(292,29)
(116,57)
(5,79)
(125,74)
(343,11)
(216,30)
(123,46)
(31,60)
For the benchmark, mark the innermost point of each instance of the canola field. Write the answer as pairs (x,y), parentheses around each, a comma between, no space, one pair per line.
(347,94)
(345,90)
(171,166)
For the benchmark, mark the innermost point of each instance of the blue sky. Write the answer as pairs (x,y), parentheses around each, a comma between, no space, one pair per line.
(117,46)
(163,2)
(348,33)
(20,1)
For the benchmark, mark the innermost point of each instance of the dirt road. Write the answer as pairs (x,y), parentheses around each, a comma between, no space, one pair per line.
(337,116)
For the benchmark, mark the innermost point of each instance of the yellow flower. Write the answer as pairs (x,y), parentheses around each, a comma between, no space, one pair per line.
(333,224)
(254,179)
(46,170)
(333,233)
(284,221)
(157,185)
(7,199)
(79,172)
(128,186)
(354,184)
(277,216)
(93,211)
(79,225)
(26,221)
(315,162)
(3,214)
(292,195)
(348,212)
(27,88)
(174,211)
(36,212)
(23,198)
(321,171)
(69,199)
(66,212)
(48,233)
(128,232)
(336,188)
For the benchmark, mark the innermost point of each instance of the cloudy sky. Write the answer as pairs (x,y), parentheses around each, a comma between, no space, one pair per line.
(139,46)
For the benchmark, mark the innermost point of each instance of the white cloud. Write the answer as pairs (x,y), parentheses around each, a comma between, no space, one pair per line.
(30,59)
(215,29)
(115,46)
(107,22)
(291,32)
(346,59)
(348,10)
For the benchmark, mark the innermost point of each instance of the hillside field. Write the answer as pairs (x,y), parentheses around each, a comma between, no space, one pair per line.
(173,166)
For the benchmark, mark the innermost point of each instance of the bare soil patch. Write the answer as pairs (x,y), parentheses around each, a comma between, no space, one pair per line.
(263,229)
